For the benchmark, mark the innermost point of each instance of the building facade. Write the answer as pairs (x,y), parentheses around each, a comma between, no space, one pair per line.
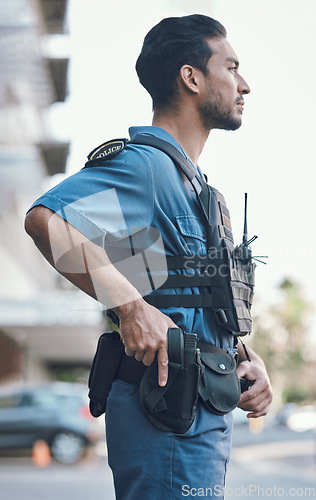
(45,323)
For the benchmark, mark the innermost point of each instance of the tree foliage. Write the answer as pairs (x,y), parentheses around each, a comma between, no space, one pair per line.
(281,338)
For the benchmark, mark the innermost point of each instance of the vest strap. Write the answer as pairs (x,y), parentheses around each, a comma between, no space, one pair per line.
(174,300)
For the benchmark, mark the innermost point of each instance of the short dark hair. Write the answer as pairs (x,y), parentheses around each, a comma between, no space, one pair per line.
(169,45)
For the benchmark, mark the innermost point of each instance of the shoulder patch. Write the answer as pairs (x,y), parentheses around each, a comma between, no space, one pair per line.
(108,149)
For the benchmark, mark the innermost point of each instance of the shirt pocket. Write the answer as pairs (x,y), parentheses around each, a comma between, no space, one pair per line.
(192,234)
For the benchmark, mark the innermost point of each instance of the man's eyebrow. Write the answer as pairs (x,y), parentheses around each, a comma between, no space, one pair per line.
(233,59)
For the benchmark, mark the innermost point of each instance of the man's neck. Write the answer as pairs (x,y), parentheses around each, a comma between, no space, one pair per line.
(186,130)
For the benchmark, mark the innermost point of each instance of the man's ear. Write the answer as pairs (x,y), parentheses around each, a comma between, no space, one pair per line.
(191,78)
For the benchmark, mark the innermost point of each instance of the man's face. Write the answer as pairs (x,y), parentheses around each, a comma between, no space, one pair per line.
(221,104)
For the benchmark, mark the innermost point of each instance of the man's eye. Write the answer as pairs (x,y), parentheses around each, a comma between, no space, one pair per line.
(233,69)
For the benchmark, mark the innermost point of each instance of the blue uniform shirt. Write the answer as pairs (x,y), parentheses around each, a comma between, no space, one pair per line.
(140,189)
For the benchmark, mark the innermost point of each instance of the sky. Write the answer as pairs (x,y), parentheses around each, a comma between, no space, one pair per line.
(271,157)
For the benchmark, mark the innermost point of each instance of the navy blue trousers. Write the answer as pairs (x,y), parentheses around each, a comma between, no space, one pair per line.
(150,464)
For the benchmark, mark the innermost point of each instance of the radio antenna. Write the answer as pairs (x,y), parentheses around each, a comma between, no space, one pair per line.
(245,241)
(243,251)
(245,235)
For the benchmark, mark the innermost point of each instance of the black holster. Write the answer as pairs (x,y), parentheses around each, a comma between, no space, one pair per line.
(172,407)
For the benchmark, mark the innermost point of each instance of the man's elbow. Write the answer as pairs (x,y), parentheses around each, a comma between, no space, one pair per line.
(36,223)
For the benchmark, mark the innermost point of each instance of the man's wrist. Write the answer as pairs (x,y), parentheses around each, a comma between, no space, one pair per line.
(245,353)
(130,309)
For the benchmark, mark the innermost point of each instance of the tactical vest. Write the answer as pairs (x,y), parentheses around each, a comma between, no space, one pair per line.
(225,271)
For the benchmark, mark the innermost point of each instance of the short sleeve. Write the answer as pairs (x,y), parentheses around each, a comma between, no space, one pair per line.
(114,196)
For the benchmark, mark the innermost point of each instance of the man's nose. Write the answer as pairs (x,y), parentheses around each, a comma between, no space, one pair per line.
(243,87)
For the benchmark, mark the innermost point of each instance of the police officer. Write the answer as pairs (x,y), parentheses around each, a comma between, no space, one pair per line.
(192,75)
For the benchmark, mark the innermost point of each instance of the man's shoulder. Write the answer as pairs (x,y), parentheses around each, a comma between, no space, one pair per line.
(107,150)
(121,154)
(116,154)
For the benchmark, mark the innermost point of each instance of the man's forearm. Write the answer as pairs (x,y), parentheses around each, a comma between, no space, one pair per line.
(97,276)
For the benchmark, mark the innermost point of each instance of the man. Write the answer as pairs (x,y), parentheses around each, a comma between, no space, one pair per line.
(192,75)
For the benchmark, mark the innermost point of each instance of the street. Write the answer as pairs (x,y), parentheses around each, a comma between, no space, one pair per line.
(89,479)
(275,463)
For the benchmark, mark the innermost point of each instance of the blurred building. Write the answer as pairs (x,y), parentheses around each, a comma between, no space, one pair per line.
(44,323)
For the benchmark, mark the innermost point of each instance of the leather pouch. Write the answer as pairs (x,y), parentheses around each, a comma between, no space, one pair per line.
(219,385)
(103,371)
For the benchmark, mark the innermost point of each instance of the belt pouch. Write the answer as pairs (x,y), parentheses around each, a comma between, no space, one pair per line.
(172,408)
(104,367)
(219,385)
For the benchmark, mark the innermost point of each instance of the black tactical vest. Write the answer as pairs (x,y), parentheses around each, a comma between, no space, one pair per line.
(226,272)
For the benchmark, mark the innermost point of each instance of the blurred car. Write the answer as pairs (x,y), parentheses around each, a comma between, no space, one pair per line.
(303,419)
(282,416)
(57,413)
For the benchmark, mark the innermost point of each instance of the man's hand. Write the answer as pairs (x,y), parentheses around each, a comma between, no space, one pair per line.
(143,330)
(257,399)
